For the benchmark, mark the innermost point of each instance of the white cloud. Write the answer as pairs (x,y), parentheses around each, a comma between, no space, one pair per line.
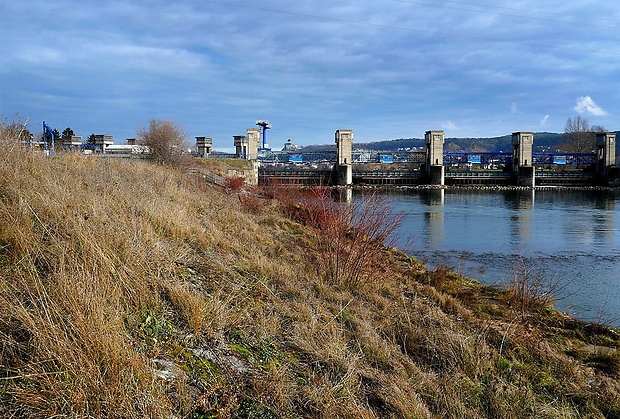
(586,104)
(513,108)
(544,121)
(449,126)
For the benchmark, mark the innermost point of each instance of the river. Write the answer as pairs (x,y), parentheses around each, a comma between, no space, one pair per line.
(570,238)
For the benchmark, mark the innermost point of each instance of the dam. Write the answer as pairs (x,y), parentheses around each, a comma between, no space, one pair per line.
(434,166)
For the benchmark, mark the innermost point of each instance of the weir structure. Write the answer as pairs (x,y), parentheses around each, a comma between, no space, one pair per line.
(432,166)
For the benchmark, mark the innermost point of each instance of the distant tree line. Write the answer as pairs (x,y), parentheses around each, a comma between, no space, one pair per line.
(578,137)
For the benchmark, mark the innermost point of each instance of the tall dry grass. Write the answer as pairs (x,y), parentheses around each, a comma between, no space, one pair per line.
(129,289)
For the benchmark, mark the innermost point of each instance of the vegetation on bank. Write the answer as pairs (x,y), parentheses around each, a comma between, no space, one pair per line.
(132,289)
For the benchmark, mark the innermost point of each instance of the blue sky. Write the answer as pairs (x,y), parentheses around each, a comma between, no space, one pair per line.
(384,68)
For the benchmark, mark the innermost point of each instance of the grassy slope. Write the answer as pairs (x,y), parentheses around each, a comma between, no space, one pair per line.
(134,290)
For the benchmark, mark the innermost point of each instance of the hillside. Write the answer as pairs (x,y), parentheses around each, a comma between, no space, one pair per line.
(503,143)
(131,289)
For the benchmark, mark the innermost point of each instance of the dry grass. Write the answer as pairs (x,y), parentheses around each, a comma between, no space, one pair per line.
(133,290)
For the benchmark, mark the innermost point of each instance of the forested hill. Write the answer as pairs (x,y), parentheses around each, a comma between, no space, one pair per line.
(503,143)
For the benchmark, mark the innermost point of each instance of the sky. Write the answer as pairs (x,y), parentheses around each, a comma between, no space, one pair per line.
(386,69)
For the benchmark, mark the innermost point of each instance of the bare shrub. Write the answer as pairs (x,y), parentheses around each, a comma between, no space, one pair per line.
(235,182)
(165,140)
(13,133)
(351,235)
(251,203)
(15,129)
(529,289)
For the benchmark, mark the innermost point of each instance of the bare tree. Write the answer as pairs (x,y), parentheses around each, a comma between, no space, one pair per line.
(165,140)
(14,129)
(580,137)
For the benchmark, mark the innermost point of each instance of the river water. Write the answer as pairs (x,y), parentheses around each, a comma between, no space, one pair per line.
(568,238)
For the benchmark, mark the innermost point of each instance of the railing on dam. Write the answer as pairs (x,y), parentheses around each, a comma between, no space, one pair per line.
(475,174)
(484,158)
(560,159)
(399,178)
(295,177)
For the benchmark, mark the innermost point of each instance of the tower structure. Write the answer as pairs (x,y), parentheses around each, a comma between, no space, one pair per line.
(522,146)
(344,144)
(434,156)
(241,146)
(203,146)
(252,135)
(265,125)
(605,152)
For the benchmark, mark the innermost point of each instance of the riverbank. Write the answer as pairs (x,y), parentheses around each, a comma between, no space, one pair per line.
(140,291)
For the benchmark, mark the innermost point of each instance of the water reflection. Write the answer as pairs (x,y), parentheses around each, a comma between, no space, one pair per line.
(570,235)
(433,216)
(522,205)
(604,223)
(519,200)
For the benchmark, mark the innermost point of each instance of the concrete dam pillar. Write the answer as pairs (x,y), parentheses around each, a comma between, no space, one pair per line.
(606,155)
(343,167)
(434,157)
(522,164)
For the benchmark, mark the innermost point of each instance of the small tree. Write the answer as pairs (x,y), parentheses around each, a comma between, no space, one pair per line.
(14,130)
(68,132)
(165,140)
(57,138)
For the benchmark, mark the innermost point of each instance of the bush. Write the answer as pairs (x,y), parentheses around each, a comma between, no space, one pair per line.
(351,235)
(531,289)
(165,140)
(235,182)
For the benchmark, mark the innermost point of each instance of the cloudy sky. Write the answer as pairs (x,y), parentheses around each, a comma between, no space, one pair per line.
(384,68)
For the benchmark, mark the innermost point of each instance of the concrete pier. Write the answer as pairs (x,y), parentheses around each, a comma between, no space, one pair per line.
(522,165)
(434,157)
(343,168)
(606,157)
